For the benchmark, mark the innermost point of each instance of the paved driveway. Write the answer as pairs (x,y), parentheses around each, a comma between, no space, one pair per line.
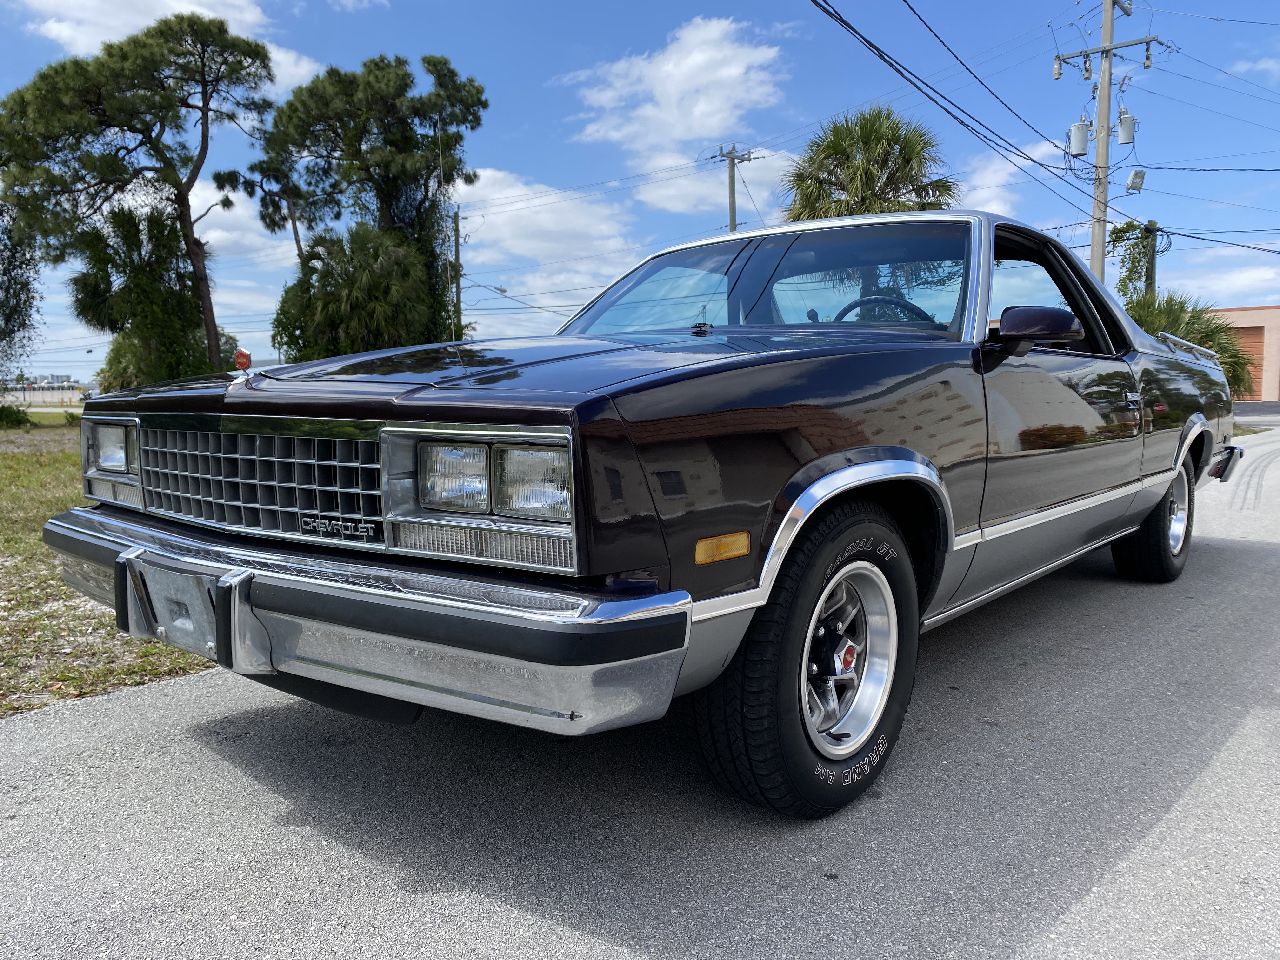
(1090,768)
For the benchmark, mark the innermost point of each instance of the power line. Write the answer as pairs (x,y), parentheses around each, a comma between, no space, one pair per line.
(1201,16)
(1148,166)
(582,186)
(784,137)
(1252,123)
(1254,230)
(1183,196)
(1220,86)
(1205,63)
(955,56)
(750,197)
(985,134)
(1229,243)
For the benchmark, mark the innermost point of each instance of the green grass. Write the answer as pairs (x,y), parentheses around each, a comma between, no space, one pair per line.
(56,644)
(1249,431)
(38,419)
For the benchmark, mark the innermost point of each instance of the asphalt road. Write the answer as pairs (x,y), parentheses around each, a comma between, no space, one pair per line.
(1090,768)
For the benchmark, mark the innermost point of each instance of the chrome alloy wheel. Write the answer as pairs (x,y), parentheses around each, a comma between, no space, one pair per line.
(1179,511)
(848,662)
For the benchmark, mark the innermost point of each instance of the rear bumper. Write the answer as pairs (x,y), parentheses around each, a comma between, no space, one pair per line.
(555,660)
(1225,462)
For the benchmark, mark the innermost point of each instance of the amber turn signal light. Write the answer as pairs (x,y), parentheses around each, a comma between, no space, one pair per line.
(724,547)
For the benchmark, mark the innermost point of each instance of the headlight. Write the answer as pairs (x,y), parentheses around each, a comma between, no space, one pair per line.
(453,477)
(114,448)
(493,494)
(110,459)
(532,482)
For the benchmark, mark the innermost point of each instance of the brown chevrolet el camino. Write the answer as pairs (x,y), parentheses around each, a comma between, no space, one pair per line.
(753,470)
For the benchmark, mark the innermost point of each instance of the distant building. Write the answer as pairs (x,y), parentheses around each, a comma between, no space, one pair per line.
(1258,329)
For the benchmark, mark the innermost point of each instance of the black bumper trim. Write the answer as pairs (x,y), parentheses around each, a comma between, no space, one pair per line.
(555,644)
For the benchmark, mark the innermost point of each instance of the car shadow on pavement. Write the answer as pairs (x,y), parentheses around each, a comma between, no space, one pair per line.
(1048,734)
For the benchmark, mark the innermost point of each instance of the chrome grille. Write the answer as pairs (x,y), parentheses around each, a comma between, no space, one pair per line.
(309,487)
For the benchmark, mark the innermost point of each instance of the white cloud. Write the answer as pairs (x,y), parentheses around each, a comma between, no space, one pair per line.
(707,190)
(790,30)
(1268,66)
(82,26)
(662,107)
(696,88)
(248,268)
(993,183)
(1227,277)
(291,69)
(554,251)
(236,237)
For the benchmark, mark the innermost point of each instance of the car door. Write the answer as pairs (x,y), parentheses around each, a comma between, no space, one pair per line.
(1064,441)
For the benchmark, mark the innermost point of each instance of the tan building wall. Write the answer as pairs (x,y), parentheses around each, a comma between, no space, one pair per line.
(1259,334)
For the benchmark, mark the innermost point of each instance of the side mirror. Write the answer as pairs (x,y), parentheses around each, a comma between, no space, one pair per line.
(1023,327)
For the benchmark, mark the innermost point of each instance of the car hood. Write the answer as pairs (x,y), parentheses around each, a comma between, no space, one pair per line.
(578,364)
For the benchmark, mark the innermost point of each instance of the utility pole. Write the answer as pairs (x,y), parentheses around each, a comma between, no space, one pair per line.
(1102,146)
(457,274)
(1151,233)
(1102,127)
(733,156)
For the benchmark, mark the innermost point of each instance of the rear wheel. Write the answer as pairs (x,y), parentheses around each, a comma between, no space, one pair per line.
(1157,551)
(805,715)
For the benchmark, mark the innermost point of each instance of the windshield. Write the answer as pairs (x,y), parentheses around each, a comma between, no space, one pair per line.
(905,277)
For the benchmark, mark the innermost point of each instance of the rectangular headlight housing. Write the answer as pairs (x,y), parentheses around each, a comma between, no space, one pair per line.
(114,448)
(491,494)
(454,477)
(532,482)
(109,448)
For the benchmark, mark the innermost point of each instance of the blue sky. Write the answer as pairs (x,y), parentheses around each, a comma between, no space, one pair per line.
(594,150)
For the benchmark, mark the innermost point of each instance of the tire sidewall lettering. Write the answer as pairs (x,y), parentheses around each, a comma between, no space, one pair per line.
(863,545)
(852,773)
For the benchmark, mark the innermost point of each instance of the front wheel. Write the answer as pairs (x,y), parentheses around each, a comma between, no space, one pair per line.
(805,715)
(1157,551)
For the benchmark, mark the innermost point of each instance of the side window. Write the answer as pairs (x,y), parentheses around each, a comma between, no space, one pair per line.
(1021,283)
(1023,277)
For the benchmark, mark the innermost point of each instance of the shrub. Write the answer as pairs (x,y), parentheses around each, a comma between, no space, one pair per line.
(13,417)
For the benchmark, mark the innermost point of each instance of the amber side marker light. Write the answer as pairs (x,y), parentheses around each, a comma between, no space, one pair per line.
(724,547)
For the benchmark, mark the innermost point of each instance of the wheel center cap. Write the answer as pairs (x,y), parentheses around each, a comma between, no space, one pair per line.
(846,656)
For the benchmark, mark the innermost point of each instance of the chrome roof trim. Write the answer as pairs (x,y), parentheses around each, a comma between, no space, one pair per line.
(807,226)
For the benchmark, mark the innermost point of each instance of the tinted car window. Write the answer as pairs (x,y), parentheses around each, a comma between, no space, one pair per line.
(908,277)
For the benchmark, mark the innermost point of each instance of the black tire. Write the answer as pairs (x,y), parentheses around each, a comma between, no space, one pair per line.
(1148,553)
(751,722)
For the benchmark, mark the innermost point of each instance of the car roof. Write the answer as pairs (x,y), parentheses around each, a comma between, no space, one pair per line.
(804,226)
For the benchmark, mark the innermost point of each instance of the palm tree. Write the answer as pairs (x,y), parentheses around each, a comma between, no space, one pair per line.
(366,290)
(1195,321)
(873,161)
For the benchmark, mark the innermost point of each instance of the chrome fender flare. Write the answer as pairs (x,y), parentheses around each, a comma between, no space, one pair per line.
(719,623)
(810,500)
(1196,424)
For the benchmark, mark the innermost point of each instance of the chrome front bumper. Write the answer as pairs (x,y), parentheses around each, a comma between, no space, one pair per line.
(556,660)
